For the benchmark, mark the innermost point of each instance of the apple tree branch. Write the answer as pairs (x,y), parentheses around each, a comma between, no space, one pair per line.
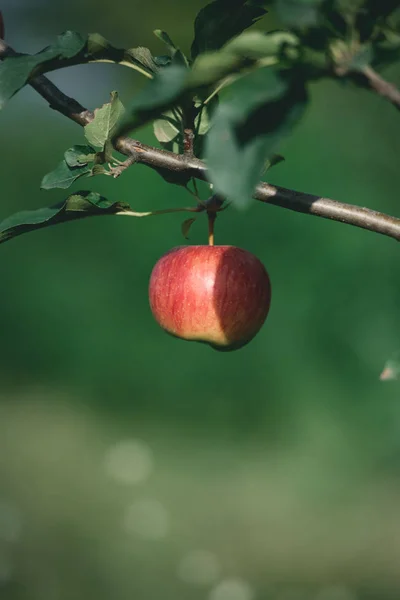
(187,164)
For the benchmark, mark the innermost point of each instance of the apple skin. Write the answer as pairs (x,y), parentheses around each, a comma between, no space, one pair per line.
(219,295)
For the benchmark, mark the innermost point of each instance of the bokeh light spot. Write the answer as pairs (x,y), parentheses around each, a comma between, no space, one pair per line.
(148,519)
(129,462)
(199,567)
(232,589)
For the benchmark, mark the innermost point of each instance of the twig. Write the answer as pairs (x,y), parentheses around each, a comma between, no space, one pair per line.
(188,139)
(161,159)
(381,86)
(117,170)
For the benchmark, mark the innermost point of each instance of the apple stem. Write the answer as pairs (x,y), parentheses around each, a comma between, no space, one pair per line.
(211,220)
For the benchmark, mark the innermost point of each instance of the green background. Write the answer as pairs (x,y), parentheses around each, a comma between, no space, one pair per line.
(135,465)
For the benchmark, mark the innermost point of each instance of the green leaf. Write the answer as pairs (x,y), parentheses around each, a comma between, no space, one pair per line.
(185,227)
(274,160)
(98,170)
(256,45)
(248,125)
(69,49)
(177,56)
(63,176)
(99,49)
(179,59)
(164,37)
(203,123)
(220,21)
(16,71)
(77,206)
(162,61)
(211,67)
(79,155)
(104,123)
(166,129)
(142,60)
(157,97)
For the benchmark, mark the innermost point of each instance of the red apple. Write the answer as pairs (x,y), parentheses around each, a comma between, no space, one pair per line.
(219,295)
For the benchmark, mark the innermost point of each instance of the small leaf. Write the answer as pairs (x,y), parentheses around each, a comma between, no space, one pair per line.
(166,130)
(260,109)
(104,123)
(274,160)
(162,61)
(79,155)
(98,170)
(77,206)
(142,60)
(179,59)
(220,21)
(164,37)
(185,227)
(202,123)
(63,176)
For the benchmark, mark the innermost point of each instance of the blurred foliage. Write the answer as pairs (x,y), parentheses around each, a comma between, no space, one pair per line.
(281,461)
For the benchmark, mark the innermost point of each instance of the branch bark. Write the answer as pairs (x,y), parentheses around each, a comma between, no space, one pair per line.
(193,167)
(381,86)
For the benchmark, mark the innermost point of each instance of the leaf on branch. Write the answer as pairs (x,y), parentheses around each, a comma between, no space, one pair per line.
(261,108)
(162,61)
(256,45)
(211,67)
(70,49)
(185,227)
(274,160)
(105,121)
(63,176)
(220,21)
(16,71)
(177,56)
(77,206)
(99,170)
(250,49)
(99,49)
(166,129)
(79,155)
(164,37)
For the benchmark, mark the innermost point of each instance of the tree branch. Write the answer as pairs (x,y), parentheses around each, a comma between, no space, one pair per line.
(161,159)
(381,86)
